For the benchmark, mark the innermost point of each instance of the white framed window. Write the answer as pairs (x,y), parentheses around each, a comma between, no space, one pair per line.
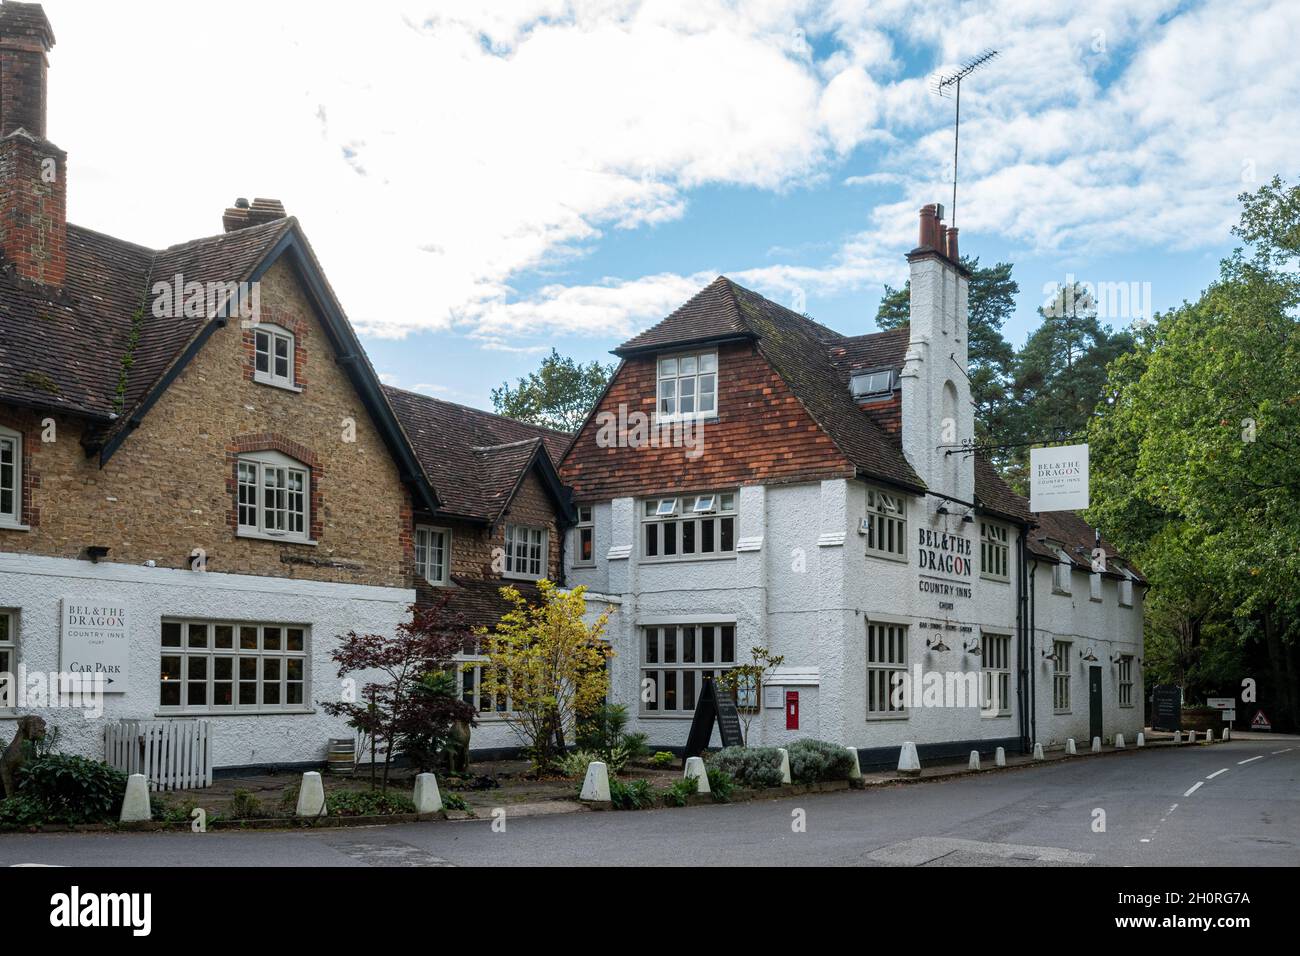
(584,538)
(469,682)
(525,552)
(689,527)
(886,667)
(1061,677)
(273,356)
(676,660)
(886,524)
(995,552)
(433,554)
(216,667)
(687,386)
(1061,573)
(8,660)
(995,673)
(874,384)
(1126,680)
(11,478)
(274,496)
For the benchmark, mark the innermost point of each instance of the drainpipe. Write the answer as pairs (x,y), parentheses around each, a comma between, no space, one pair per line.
(1033,662)
(1022,642)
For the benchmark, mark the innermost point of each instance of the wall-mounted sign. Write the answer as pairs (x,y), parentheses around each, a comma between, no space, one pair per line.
(1058,478)
(772,697)
(945,562)
(95,639)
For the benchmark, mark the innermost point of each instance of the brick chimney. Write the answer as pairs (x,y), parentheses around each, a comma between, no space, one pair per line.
(244,214)
(33,186)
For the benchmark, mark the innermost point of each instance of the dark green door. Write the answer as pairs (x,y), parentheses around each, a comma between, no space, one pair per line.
(1094,703)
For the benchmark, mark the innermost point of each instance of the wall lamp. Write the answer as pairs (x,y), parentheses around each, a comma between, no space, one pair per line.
(937,644)
(1090,657)
(973,647)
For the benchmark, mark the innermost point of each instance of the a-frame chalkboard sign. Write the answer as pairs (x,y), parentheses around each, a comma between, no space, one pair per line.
(713,706)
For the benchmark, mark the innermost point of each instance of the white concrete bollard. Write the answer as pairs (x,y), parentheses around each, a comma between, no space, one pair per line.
(1070,749)
(311,795)
(1142,739)
(427,798)
(1119,741)
(1209,736)
(908,761)
(1096,745)
(1000,757)
(855,771)
(785,764)
(974,763)
(595,786)
(1178,736)
(1227,733)
(1038,751)
(695,771)
(135,805)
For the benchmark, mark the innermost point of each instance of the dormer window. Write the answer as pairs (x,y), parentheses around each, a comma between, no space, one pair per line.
(273,356)
(687,386)
(274,497)
(872,384)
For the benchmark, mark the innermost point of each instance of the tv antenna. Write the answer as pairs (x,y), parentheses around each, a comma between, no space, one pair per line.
(940,85)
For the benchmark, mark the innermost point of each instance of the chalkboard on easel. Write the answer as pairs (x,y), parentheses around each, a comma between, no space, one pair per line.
(712,708)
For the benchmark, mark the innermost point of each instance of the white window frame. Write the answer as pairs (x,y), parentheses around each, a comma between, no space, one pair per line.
(1125,682)
(995,670)
(438,574)
(274,335)
(258,464)
(870,375)
(672,379)
(886,657)
(662,525)
(584,529)
(667,663)
(995,552)
(13,517)
(469,683)
(886,525)
(1061,677)
(8,659)
(532,542)
(214,648)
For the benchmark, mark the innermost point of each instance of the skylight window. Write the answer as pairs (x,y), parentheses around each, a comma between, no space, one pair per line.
(879,382)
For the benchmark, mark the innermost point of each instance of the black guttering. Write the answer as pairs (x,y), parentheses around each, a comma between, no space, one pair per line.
(680,344)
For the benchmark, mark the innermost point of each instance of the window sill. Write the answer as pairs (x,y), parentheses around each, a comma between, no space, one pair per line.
(992,577)
(1056,590)
(507,576)
(277,538)
(689,558)
(996,716)
(230,712)
(1096,600)
(13,526)
(283,386)
(1061,713)
(658,716)
(883,556)
(674,419)
(872,718)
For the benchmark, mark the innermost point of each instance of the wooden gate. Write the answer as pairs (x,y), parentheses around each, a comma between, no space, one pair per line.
(172,754)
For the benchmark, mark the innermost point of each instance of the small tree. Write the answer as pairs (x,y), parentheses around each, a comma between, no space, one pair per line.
(400,709)
(549,665)
(744,682)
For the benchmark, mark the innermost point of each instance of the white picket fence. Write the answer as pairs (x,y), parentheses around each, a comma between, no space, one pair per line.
(172,754)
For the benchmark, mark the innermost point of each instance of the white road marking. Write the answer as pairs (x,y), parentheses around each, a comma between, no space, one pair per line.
(1287,751)
(1196,786)
(1240,762)
(1216,773)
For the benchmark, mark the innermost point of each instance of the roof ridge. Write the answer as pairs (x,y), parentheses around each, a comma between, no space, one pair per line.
(508,444)
(108,235)
(479,411)
(275,224)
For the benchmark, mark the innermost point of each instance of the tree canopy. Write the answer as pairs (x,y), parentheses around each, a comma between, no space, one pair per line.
(558,395)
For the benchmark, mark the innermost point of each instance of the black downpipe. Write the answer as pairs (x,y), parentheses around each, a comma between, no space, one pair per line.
(1022,642)
(1033,663)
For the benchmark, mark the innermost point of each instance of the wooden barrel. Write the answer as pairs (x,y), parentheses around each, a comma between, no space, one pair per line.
(342,755)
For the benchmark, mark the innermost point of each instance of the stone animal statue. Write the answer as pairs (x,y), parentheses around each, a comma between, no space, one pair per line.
(29,728)
(457,747)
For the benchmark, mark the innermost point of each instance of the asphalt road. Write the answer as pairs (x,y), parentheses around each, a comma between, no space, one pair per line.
(1228,804)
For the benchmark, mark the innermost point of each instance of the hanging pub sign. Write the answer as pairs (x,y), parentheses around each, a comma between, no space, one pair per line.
(1058,478)
(711,708)
(94,640)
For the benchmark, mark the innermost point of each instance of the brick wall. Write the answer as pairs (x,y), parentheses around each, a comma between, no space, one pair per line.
(169,488)
(762,435)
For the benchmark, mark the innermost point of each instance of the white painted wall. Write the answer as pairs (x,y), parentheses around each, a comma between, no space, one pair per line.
(34,587)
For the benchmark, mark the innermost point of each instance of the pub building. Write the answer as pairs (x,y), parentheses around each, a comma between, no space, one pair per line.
(837,513)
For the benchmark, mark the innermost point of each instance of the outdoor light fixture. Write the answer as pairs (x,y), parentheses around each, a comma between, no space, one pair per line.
(1090,657)
(941,510)
(968,517)
(973,647)
(937,645)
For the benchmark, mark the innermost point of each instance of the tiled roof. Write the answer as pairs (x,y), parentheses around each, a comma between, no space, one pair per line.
(1077,536)
(478,600)
(876,350)
(474,458)
(69,353)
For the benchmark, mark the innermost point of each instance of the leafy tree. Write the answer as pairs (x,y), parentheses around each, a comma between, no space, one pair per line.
(399,708)
(991,299)
(549,664)
(744,682)
(558,395)
(1196,469)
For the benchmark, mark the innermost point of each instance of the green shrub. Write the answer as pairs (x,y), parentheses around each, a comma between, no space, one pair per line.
(20,812)
(721,785)
(753,767)
(289,801)
(678,794)
(633,795)
(574,763)
(367,803)
(454,801)
(604,733)
(815,760)
(245,806)
(164,810)
(71,789)
(663,758)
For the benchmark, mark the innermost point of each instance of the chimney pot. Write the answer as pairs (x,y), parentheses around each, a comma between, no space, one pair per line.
(241,203)
(952,244)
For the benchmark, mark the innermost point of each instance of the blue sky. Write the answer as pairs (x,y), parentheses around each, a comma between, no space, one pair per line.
(482,182)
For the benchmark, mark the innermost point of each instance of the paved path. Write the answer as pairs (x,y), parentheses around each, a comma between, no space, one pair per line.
(1228,804)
